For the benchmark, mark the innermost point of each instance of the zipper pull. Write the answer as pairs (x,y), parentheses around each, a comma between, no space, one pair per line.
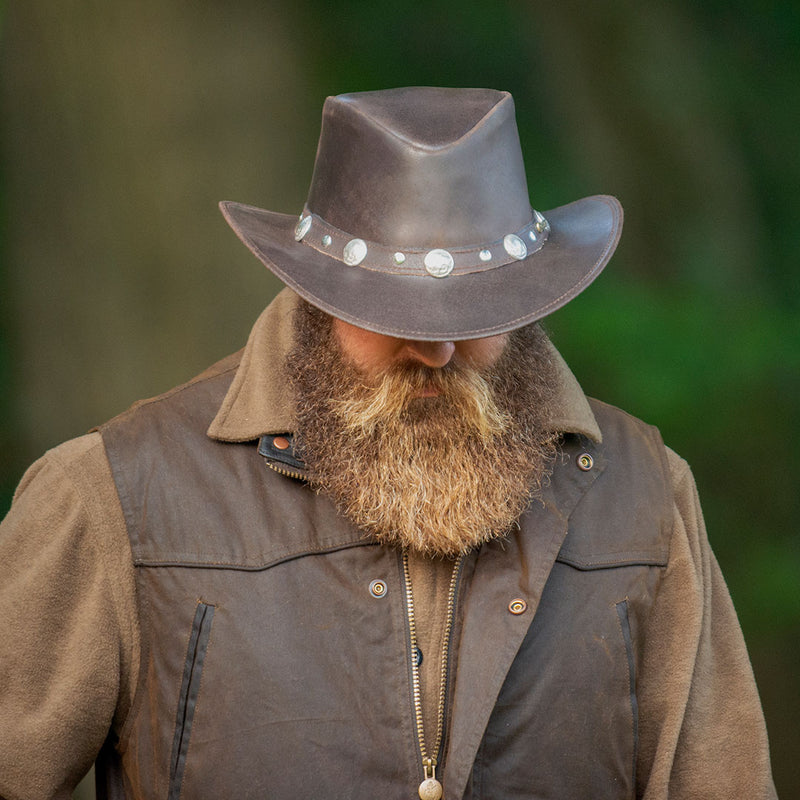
(430,788)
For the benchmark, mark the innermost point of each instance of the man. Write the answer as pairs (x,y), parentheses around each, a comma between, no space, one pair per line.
(390,549)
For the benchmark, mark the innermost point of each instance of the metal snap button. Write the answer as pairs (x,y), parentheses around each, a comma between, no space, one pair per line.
(280,443)
(378,588)
(585,462)
(517,606)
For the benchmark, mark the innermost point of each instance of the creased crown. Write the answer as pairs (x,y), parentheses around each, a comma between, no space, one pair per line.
(423,166)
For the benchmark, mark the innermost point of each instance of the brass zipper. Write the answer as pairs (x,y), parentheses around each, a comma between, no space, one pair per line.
(430,788)
(297,474)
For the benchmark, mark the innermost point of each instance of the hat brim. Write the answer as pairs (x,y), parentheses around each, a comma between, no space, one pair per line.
(583,237)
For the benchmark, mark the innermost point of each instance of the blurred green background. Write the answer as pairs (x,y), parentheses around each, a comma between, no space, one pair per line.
(124,122)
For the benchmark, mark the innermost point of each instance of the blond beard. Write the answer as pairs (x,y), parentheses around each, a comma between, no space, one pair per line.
(436,474)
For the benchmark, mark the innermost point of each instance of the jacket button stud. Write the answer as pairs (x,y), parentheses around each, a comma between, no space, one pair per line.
(517,606)
(378,588)
(281,442)
(585,462)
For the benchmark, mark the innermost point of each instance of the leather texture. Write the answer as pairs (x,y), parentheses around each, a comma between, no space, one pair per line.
(269,670)
(429,168)
(423,166)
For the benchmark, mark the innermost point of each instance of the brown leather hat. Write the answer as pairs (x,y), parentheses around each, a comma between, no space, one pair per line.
(418,222)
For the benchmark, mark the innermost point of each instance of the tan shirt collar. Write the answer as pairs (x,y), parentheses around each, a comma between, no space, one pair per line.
(260,401)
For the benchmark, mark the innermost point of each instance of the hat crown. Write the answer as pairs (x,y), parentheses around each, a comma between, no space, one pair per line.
(421,167)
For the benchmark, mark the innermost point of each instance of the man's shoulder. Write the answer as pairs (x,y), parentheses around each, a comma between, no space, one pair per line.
(634,449)
(625,515)
(617,421)
(612,418)
(80,460)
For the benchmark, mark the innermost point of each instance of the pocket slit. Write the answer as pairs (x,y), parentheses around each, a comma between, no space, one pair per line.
(190,686)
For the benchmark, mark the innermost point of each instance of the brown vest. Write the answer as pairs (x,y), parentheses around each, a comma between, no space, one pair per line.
(269,669)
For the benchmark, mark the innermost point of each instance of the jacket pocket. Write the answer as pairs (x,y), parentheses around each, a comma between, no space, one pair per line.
(625,627)
(190,687)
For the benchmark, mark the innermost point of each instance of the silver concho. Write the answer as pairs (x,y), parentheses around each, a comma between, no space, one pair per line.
(355,251)
(542,224)
(514,246)
(532,235)
(485,255)
(302,227)
(399,257)
(439,263)
(326,240)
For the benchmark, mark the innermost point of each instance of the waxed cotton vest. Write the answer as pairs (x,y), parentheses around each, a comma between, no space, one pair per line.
(270,670)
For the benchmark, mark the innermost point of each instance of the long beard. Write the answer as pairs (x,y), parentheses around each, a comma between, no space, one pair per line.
(436,474)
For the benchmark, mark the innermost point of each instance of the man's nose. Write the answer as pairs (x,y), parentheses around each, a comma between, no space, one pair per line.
(431,354)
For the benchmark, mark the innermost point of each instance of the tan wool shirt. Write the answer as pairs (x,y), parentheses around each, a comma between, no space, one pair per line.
(70,639)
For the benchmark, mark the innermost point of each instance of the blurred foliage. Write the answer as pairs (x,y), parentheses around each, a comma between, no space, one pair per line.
(125,121)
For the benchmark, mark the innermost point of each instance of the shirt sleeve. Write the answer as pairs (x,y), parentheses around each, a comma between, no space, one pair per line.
(702,731)
(69,634)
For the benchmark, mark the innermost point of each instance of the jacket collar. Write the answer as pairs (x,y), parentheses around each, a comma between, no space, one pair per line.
(259,400)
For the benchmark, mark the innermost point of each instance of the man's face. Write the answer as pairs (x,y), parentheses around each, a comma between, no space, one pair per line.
(374,353)
(432,446)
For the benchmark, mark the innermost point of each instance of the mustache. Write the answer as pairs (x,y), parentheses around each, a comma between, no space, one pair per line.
(400,395)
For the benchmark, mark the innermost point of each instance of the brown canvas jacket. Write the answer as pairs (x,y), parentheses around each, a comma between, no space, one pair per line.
(251,615)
